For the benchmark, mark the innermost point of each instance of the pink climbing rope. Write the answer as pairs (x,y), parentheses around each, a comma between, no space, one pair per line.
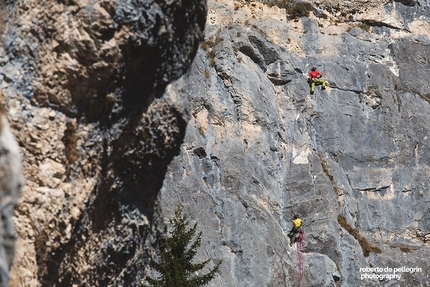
(300,242)
(300,261)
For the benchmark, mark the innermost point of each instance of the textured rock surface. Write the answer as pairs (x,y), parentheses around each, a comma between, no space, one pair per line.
(11,183)
(110,148)
(358,149)
(85,84)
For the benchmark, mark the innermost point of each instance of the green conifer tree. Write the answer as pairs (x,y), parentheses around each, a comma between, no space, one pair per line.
(175,265)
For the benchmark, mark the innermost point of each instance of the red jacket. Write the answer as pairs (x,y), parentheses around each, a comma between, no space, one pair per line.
(314,74)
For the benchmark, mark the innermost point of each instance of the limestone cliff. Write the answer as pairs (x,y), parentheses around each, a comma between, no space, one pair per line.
(84,82)
(120,115)
(11,183)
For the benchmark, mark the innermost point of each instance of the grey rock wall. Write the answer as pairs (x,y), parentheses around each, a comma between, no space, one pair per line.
(358,149)
(11,183)
(120,115)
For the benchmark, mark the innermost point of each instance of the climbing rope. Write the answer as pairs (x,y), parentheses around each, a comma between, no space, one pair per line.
(300,242)
(300,248)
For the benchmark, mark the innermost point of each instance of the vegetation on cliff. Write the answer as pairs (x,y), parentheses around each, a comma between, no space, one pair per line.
(176,267)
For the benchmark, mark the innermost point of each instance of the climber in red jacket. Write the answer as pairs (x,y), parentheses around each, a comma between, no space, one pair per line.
(315,78)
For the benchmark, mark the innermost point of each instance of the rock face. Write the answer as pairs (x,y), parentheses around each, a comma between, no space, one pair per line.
(11,183)
(85,85)
(110,147)
(350,159)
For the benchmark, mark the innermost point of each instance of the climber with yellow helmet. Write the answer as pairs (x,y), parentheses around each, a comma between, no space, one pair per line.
(296,231)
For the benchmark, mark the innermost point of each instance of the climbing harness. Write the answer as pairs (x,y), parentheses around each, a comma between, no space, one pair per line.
(300,240)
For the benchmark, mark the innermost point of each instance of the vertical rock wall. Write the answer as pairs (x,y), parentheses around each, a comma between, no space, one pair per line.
(11,183)
(85,91)
(351,159)
(109,148)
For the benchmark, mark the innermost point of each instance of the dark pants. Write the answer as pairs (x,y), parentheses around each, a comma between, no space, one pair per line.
(294,233)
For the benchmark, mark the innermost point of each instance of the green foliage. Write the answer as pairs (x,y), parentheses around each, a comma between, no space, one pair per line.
(365,26)
(285,4)
(175,265)
(91,93)
(300,9)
